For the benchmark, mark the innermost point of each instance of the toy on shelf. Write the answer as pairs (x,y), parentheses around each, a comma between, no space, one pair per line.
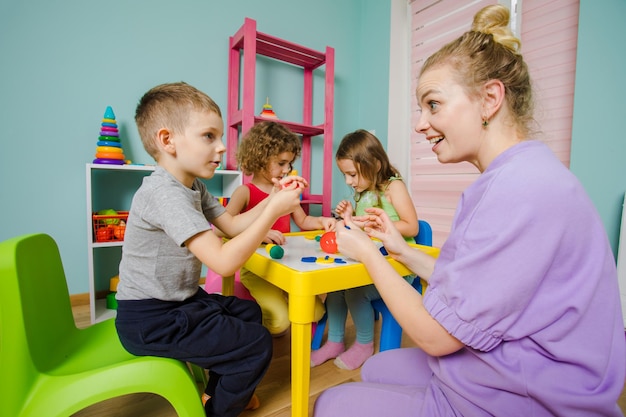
(109,149)
(275,251)
(267,111)
(328,242)
(109,225)
(111,301)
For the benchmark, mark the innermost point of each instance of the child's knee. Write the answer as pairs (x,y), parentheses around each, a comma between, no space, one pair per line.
(276,323)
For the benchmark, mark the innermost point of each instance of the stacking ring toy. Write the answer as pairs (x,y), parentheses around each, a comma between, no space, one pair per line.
(110,149)
(109,143)
(108,161)
(109,155)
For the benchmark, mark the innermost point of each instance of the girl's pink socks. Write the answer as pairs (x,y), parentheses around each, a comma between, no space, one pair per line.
(355,356)
(330,350)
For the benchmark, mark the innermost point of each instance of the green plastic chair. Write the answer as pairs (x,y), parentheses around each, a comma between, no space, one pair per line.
(49,367)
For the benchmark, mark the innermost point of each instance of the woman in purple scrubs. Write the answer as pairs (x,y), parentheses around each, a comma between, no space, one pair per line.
(521,316)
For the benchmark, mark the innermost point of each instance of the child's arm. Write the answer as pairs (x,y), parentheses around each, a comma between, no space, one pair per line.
(234,224)
(225,258)
(306,222)
(342,206)
(398,196)
(238,201)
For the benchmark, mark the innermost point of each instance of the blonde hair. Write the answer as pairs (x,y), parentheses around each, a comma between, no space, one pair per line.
(369,158)
(168,106)
(263,141)
(490,51)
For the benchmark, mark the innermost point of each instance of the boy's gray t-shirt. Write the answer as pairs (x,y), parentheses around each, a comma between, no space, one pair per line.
(163,215)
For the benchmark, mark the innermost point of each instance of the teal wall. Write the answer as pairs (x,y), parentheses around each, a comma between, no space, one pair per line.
(598,156)
(63,62)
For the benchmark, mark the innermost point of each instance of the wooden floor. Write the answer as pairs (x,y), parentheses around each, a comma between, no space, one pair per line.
(274,390)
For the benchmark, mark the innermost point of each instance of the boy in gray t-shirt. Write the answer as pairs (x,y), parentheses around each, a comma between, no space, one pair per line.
(161,309)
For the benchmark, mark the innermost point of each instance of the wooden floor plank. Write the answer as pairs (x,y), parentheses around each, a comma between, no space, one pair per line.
(274,391)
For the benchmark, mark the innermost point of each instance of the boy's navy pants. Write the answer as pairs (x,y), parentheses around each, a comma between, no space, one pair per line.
(221,334)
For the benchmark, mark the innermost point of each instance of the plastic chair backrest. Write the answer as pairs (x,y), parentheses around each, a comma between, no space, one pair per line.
(35,313)
(425,234)
(50,367)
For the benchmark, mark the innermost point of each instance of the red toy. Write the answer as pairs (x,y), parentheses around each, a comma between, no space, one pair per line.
(328,242)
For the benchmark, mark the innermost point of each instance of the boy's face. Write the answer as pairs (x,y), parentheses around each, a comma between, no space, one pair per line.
(199,150)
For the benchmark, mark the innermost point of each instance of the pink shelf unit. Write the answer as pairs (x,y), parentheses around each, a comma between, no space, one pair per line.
(242,117)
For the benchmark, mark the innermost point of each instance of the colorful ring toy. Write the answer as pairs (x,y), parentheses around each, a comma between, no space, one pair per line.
(109,143)
(109,155)
(108,161)
(108,137)
(110,149)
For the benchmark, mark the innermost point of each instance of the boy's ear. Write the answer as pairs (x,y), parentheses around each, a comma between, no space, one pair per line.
(165,140)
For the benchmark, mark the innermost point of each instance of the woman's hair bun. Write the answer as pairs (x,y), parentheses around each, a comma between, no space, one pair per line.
(494,20)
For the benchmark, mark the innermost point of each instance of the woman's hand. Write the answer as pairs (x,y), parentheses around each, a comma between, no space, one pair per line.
(378,225)
(352,241)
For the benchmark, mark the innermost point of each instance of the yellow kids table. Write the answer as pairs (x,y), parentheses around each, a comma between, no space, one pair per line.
(304,272)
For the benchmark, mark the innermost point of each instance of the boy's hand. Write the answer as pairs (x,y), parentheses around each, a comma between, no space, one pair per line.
(284,201)
(288,181)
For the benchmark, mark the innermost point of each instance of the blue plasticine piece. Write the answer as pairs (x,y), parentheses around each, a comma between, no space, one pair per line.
(383,251)
(309,259)
(340,261)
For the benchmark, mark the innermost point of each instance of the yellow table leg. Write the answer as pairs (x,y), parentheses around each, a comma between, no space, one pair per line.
(301,312)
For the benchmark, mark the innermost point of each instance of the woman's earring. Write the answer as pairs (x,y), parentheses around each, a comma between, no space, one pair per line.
(485,123)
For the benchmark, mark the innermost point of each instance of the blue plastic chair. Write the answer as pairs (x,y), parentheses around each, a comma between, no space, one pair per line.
(391,332)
